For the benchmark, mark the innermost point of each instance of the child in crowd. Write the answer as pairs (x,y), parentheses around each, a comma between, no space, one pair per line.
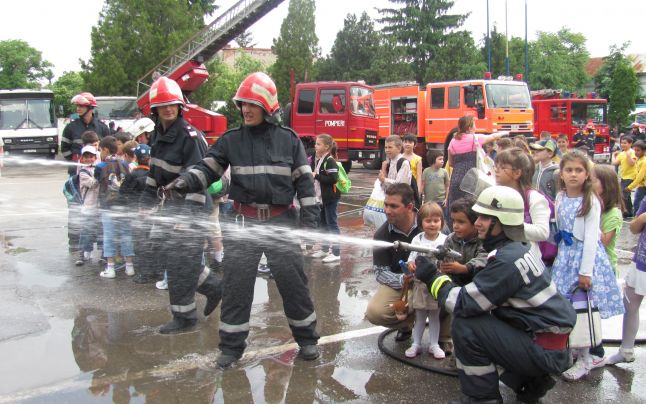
(626,161)
(638,184)
(606,186)
(90,138)
(582,261)
(129,154)
(431,220)
(116,226)
(563,144)
(435,179)
(502,144)
(89,189)
(409,141)
(545,177)
(464,240)
(389,173)
(515,169)
(122,138)
(326,174)
(634,291)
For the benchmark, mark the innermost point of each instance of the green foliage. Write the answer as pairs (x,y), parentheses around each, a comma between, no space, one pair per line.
(245,40)
(133,36)
(498,51)
(558,61)
(603,77)
(458,59)
(64,88)
(223,84)
(422,28)
(22,66)
(296,47)
(623,90)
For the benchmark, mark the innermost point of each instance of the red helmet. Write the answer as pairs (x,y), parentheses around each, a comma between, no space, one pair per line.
(258,89)
(165,91)
(85,99)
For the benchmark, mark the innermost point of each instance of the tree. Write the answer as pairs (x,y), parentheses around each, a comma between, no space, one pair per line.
(355,49)
(67,86)
(223,84)
(623,91)
(245,40)
(421,28)
(457,59)
(22,66)
(498,51)
(558,61)
(603,77)
(133,36)
(296,47)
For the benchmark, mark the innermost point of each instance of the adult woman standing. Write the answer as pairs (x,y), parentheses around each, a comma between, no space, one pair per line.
(463,153)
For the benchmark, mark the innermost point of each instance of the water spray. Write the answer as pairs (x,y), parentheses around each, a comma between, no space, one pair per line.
(440,252)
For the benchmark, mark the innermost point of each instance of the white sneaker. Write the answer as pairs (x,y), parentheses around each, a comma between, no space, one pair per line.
(413,351)
(622,356)
(597,362)
(130,270)
(331,258)
(263,268)
(108,273)
(163,284)
(319,254)
(437,352)
(577,371)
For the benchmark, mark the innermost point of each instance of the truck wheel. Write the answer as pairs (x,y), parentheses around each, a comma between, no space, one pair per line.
(347,165)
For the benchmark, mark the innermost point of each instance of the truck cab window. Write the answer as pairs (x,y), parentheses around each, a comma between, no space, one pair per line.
(332,101)
(306,101)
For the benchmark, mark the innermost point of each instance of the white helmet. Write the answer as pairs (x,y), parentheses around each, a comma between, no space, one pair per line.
(140,126)
(505,203)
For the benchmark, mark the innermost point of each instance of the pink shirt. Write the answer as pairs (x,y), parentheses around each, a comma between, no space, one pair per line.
(465,144)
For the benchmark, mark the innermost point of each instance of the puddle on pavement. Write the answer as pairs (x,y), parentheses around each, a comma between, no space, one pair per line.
(31,275)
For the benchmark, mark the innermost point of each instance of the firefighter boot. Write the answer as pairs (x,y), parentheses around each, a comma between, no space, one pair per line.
(535,389)
(309,352)
(177,325)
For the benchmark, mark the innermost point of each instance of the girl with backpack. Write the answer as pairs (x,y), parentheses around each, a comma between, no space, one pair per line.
(326,175)
(515,169)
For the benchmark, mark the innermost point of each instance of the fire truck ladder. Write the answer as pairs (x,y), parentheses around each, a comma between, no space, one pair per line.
(206,43)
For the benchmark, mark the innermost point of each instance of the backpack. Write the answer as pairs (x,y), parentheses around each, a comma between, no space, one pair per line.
(111,178)
(343,184)
(72,188)
(413,182)
(548,248)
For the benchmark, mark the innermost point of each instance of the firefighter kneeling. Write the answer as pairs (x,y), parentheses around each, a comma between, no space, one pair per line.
(511,316)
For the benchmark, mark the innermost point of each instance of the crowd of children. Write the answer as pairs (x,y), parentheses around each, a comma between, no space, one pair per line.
(574,211)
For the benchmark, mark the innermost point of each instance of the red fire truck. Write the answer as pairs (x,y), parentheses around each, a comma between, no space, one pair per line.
(186,63)
(344,110)
(561,112)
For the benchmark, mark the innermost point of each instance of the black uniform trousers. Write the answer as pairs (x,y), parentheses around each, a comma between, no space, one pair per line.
(483,342)
(180,253)
(243,248)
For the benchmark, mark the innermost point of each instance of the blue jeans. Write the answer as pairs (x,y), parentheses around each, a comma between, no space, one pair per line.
(329,224)
(116,226)
(639,195)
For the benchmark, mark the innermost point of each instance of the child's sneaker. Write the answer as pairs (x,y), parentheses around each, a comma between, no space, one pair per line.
(130,270)
(319,254)
(108,273)
(597,362)
(622,356)
(331,258)
(577,371)
(80,261)
(162,285)
(413,351)
(437,352)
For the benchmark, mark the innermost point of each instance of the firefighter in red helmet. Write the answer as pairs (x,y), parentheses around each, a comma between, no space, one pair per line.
(71,145)
(179,238)
(268,168)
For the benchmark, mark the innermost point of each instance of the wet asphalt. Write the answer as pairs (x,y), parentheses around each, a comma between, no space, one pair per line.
(68,336)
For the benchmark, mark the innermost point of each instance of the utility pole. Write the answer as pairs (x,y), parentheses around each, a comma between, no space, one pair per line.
(506,42)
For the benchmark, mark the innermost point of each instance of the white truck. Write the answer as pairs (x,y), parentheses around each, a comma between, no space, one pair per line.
(122,110)
(28,124)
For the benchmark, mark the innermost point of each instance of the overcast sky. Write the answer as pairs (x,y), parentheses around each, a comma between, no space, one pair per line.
(61,29)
